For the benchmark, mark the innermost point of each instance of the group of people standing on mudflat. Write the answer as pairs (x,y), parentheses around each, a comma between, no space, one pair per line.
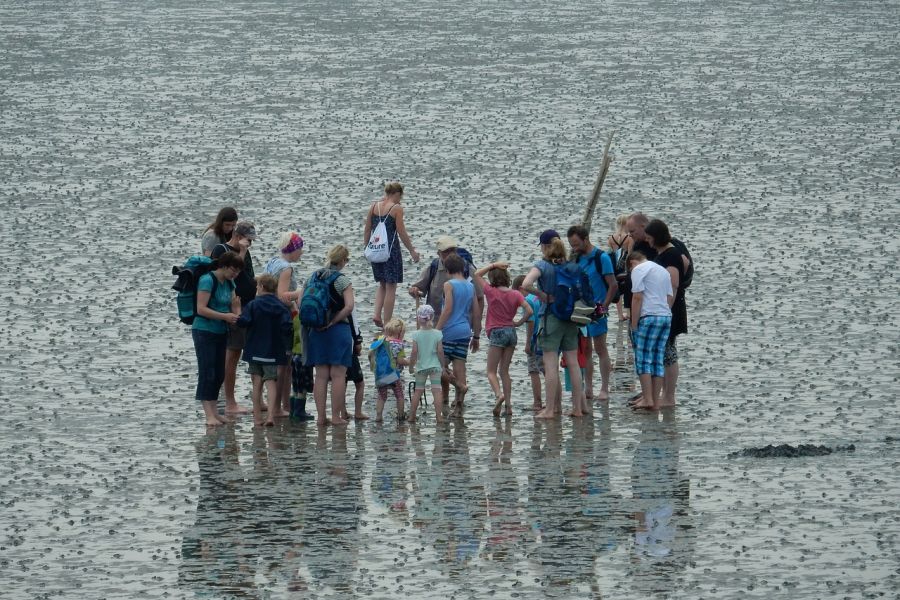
(266,320)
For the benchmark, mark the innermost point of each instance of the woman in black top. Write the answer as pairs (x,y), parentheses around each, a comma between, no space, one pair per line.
(676,263)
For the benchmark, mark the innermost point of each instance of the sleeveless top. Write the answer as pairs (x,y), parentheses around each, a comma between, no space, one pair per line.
(458,326)
(276,265)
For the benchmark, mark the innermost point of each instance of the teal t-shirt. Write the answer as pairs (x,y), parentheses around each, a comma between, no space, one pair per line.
(220,302)
(427,341)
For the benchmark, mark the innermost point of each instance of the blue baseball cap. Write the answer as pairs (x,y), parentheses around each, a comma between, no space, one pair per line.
(547,236)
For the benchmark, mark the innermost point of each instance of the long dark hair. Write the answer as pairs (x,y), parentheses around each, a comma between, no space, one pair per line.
(229,213)
(659,231)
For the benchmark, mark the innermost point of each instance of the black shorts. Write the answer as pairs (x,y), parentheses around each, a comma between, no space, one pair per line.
(301,376)
(355,373)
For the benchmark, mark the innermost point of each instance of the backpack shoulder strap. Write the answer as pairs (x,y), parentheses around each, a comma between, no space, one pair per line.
(598,260)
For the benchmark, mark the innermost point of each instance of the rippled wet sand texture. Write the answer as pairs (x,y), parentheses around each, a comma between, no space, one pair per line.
(764,133)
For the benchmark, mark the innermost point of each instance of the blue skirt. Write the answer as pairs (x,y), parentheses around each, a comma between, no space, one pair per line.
(334,346)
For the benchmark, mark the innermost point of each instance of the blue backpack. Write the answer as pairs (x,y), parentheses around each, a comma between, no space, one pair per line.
(433,267)
(188,276)
(573,298)
(382,362)
(316,303)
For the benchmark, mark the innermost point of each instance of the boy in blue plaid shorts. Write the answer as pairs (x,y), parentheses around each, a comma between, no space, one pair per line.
(651,319)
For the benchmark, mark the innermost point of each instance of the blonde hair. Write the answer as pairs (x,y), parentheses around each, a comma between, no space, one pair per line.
(393,187)
(555,251)
(285,238)
(395,328)
(269,283)
(337,255)
(621,222)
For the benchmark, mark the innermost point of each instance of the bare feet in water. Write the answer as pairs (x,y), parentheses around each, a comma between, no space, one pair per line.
(360,417)
(456,411)
(497,404)
(235,409)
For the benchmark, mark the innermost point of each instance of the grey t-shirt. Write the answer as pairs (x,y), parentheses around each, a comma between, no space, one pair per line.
(209,241)
(547,280)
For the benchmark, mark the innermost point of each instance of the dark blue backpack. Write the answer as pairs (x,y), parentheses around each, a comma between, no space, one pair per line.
(463,254)
(316,303)
(572,286)
(188,276)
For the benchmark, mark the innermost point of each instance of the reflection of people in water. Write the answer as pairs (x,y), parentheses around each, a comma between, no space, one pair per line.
(449,505)
(214,560)
(662,540)
(501,493)
(389,477)
(330,536)
(428,510)
(288,522)
(572,509)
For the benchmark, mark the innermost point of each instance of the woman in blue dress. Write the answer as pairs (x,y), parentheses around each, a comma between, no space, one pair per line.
(330,349)
(389,274)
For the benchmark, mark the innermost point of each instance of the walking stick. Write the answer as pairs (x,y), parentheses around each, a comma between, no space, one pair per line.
(412,384)
(418,301)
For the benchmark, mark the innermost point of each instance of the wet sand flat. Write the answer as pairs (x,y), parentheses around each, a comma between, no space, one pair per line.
(765,134)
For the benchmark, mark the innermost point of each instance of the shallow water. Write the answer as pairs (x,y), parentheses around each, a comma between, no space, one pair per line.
(764,133)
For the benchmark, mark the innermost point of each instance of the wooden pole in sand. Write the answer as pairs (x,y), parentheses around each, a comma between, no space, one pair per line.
(594,198)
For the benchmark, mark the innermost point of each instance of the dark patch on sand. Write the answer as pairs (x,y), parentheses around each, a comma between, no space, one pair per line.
(788,451)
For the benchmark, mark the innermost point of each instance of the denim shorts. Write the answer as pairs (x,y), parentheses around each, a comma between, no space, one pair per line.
(503,337)
(536,363)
